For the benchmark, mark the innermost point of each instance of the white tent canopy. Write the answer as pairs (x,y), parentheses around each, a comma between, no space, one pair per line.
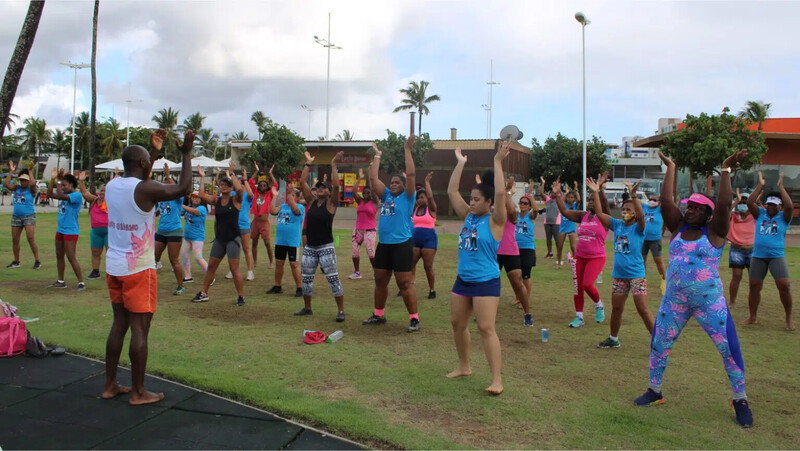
(110,165)
(158,165)
(207,162)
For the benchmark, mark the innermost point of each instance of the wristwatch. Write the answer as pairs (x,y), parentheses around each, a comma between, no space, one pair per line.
(728,170)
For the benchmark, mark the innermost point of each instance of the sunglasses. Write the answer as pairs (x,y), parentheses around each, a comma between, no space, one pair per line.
(524,203)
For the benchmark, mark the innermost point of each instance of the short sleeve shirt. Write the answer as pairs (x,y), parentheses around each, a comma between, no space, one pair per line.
(628,242)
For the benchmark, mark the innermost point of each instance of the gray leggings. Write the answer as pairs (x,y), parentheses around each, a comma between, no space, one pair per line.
(551,232)
(324,256)
(776,266)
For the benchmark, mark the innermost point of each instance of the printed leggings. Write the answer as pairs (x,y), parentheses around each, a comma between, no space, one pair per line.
(711,311)
(324,256)
(196,250)
(586,272)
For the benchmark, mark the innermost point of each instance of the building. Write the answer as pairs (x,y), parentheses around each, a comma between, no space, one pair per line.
(633,163)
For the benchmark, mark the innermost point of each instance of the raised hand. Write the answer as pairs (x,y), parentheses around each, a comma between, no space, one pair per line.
(271,168)
(665,159)
(276,191)
(188,142)
(228,174)
(54,173)
(428,177)
(244,174)
(324,177)
(478,179)
(761,181)
(310,159)
(594,186)
(61,173)
(338,157)
(601,179)
(556,187)
(780,181)
(360,173)
(502,151)
(11,166)
(166,168)
(256,166)
(157,139)
(738,195)
(460,157)
(632,188)
(542,179)
(410,142)
(82,176)
(116,172)
(510,182)
(200,171)
(377,151)
(232,166)
(734,159)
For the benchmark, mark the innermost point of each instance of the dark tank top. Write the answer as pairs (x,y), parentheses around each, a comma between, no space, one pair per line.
(226,227)
(319,224)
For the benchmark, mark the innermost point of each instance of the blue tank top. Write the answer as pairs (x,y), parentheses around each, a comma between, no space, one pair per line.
(23,199)
(525,228)
(653,222)
(288,229)
(396,225)
(694,266)
(195,229)
(477,250)
(244,213)
(170,215)
(566,225)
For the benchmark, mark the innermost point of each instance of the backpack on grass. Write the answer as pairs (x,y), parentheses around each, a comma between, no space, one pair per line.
(13,336)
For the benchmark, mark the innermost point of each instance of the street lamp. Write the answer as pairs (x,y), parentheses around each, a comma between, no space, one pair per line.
(491,84)
(583,20)
(488,110)
(74,66)
(309,119)
(128,101)
(328,45)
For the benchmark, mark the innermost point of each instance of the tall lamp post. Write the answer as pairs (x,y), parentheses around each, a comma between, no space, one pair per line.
(74,66)
(491,84)
(488,121)
(305,107)
(328,45)
(128,101)
(583,20)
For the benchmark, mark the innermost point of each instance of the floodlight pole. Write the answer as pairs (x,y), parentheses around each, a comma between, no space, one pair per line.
(491,84)
(75,67)
(328,45)
(128,101)
(581,18)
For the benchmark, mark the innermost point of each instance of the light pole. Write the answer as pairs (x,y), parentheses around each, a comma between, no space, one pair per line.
(128,101)
(74,66)
(309,119)
(488,110)
(491,84)
(328,45)
(581,17)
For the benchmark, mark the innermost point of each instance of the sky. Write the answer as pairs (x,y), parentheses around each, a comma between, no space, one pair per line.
(226,59)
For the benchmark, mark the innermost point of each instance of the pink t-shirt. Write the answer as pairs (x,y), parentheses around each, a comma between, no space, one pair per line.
(508,244)
(97,217)
(742,232)
(591,238)
(365,216)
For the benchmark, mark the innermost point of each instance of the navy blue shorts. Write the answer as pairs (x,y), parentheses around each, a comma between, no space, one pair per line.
(489,288)
(426,238)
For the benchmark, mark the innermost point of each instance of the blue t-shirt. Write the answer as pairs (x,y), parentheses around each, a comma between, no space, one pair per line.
(289,227)
(244,213)
(396,225)
(770,239)
(525,228)
(23,200)
(68,214)
(567,226)
(653,221)
(477,250)
(628,242)
(170,214)
(195,229)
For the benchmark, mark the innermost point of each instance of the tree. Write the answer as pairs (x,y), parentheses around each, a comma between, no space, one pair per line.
(112,136)
(416,99)
(240,136)
(755,111)
(34,134)
(140,136)
(345,135)
(167,119)
(193,122)
(393,152)
(260,119)
(707,140)
(93,126)
(562,157)
(18,60)
(208,140)
(278,145)
(12,140)
(59,143)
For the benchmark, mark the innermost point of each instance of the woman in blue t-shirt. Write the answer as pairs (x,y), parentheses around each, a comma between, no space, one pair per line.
(525,227)
(68,229)
(567,228)
(628,272)
(477,287)
(288,237)
(194,236)
(769,247)
(169,234)
(23,197)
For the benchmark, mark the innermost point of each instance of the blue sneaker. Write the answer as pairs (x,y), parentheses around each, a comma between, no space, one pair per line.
(528,320)
(577,322)
(649,398)
(743,414)
(599,314)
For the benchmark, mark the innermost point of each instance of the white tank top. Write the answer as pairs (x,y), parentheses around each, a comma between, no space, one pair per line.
(131,231)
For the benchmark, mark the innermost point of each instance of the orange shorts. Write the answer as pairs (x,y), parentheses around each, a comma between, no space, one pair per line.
(259,229)
(136,292)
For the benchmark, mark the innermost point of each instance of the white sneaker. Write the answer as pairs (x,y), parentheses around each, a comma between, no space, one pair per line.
(159,266)
(229,275)
(250,276)
(355,275)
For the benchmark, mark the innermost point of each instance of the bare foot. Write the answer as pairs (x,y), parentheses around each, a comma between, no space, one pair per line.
(516,302)
(731,305)
(750,321)
(115,390)
(272,265)
(459,373)
(789,324)
(495,389)
(145,398)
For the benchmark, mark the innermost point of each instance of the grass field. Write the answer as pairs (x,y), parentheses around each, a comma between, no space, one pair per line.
(386,388)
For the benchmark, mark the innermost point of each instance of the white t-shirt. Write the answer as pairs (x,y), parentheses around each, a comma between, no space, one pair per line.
(131,231)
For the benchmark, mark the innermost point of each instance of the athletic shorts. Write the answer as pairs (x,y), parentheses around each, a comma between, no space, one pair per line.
(244,232)
(395,257)
(510,262)
(652,246)
(426,238)
(259,229)
(565,228)
(172,236)
(232,248)
(23,221)
(62,237)
(282,252)
(527,258)
(490,288)
(550,231)
(739,258)
(99,237)
(366,237)
(136,292)
(623,286)
(777,267)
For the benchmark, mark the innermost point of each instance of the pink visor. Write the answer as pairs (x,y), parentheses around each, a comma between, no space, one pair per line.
(702,200)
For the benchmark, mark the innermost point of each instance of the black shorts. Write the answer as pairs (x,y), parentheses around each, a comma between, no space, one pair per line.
(169,239)
(527,259)
(653,246)
(281,252)
(510,262)
(395,257)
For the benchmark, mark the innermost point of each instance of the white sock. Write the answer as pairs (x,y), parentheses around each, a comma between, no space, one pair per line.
(579,314)
(599,304)
(60,281)
(613,338)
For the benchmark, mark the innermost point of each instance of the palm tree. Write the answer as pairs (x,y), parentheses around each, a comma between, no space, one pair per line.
(260,119)
(93,133)
(416,100)
(59,143)
(167,119)
(112,137)
(207,139)
(11,121)
(83,132)
(193,122)
(345,135)
(240,136)
(18,59)
(34,134)
(756,111)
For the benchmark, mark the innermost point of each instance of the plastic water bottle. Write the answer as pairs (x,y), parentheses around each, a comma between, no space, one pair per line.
(334,337)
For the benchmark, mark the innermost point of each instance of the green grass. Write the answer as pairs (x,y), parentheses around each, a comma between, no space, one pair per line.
(385,387)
